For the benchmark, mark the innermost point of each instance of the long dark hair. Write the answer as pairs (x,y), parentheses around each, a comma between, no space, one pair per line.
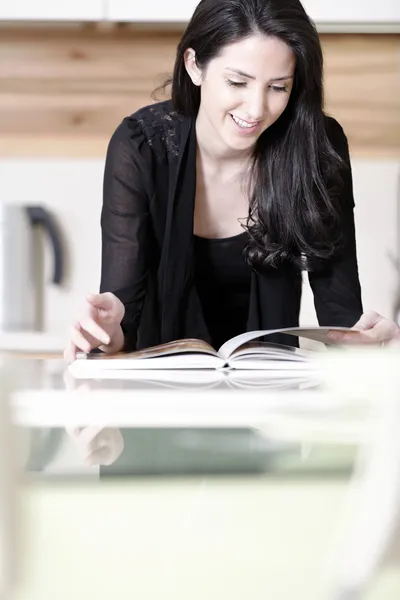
(293,217)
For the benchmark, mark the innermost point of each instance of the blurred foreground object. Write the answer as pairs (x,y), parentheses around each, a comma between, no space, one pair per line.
(8,496)
(372,518)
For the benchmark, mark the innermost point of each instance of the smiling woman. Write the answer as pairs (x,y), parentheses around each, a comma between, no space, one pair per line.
(261,128)
(215,202)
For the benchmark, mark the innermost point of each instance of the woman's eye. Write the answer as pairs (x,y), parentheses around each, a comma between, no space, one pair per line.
(236,83)
(240,84)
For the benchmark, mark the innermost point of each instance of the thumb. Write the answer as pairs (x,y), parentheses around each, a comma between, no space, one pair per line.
(368,320)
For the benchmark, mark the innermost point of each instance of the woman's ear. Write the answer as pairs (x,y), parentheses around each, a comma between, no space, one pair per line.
(191,66)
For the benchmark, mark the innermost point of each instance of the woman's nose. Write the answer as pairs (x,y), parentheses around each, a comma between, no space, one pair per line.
(256,107)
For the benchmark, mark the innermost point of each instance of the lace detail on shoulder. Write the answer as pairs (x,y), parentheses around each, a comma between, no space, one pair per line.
(161,127)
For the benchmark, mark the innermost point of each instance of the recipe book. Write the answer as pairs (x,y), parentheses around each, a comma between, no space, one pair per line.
(240,352)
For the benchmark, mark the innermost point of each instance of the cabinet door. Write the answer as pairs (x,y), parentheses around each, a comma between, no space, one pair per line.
(354,11)
(321,11)
(174,11)
(45,10)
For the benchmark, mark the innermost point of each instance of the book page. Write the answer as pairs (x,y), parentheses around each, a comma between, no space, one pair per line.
(317,334)
(278,351)
(100,368)
(175,347)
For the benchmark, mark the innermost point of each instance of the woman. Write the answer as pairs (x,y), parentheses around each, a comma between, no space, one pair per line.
(216,201)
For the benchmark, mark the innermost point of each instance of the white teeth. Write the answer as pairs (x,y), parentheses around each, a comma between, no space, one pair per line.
(243,124)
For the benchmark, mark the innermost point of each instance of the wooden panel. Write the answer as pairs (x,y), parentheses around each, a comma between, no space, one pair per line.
(63,92)
(79,85)
(362,85)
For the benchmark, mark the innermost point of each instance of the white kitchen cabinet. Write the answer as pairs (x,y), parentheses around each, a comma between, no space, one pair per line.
(174,11)
(45,10)
(355,11)
(357,15)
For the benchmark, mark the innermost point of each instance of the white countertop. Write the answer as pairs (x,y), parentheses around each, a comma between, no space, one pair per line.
(44,394)
(31,342)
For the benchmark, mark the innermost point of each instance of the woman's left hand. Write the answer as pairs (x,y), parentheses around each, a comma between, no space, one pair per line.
(373,329)
(97,445)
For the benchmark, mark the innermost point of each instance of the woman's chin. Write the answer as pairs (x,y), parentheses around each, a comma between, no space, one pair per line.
(240,144)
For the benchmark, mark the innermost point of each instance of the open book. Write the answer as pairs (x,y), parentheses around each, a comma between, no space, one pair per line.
(240,352)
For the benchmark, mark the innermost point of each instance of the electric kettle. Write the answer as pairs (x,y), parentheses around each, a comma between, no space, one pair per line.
(21,279)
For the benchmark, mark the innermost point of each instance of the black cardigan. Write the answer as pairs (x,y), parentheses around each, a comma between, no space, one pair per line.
(147,240)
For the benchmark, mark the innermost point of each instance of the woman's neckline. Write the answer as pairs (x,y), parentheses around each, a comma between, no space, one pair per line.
(224,239)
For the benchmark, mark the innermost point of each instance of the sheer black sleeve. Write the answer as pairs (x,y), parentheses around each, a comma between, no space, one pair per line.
(125,222)
(336,289)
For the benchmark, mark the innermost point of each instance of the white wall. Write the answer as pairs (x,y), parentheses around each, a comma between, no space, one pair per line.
(72,189)
(376,193)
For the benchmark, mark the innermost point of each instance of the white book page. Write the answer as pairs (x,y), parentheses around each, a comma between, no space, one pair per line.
(274,365)
(94,368)
(274,351)
(317,334)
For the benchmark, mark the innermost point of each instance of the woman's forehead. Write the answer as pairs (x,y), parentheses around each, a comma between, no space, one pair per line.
(257,55)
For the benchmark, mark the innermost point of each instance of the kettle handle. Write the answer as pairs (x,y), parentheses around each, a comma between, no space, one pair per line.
(40,216)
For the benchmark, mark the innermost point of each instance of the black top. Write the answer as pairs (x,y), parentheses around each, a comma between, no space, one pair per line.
(222,280)
(148,242)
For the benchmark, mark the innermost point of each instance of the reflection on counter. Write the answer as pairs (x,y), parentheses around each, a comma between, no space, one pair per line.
(96,451)
(56,453)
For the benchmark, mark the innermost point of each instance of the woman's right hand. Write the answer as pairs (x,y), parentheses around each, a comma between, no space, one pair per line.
(98,327)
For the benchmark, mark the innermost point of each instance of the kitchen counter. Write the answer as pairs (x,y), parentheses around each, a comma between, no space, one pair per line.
(234,413)
(31,342)
(222,488)
(179,422)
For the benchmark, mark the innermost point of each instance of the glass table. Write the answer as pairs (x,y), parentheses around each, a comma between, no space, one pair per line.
(189,485)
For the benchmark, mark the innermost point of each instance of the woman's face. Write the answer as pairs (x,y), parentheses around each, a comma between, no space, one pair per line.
(244,90)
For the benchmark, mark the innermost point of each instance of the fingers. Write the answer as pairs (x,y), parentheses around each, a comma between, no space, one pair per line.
(100,307)
(372,336)
(79,340)
(104,301)
(70,352)
(107,305)
(386,331)
(377,329)
(84,336)
(100,319)
(362,337)
(374,329)
(90,326)
(97,445)
(368,320)
(339,336)
(353,337)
